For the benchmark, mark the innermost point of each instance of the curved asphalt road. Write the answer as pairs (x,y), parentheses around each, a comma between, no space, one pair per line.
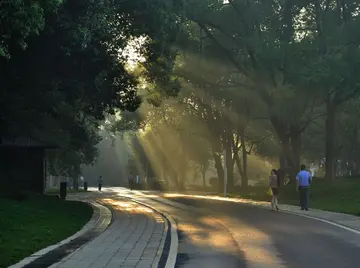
(295,241)
(223,234)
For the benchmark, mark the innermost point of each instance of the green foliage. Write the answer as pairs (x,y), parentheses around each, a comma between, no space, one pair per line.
(295,55)
(161,22)
(286,62)
(210,68)
(21,19)
(64,70)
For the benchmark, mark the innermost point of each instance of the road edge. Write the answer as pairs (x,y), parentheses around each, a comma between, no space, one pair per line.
(333,223)
(174,240)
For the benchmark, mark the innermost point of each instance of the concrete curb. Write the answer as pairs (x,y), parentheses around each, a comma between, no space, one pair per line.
(333,223)
(92,223)
(174,240)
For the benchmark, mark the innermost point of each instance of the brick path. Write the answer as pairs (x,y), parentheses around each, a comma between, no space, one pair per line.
(134,239)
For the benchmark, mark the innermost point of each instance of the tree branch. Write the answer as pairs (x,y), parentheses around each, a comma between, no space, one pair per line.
(224,50)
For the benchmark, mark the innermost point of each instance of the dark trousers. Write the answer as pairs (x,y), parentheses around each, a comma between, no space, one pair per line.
(304,197)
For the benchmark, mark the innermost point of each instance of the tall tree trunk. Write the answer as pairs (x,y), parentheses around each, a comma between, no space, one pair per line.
(240,169)
(245,179)
(203,175)
(168,177)
(288,156)
(351,168)
(282,160)
(330,141)
(296,144)
(220,170)
(75,176)
(288,21)
(285,146)
(179,179)
(230,167)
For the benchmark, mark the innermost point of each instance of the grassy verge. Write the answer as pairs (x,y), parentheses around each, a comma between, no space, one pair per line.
(35,223)
(341,195)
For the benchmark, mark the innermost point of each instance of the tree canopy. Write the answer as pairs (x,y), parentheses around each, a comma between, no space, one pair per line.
(275,79)
(237,80)
(63,68)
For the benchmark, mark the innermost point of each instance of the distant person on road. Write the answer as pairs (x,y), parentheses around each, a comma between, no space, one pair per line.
(274,185)
(303,181)
(100,182)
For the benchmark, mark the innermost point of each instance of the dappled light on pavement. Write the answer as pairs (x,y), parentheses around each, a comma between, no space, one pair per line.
(235,238)
(126,206)
(210,232)
(256,245)
(258,248)
(219,198)
(224,234)
(216,239)
(152,196)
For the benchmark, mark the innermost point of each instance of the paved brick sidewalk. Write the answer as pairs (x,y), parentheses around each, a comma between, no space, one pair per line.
(134,239)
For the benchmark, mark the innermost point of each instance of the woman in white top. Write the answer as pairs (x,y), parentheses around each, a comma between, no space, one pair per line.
(273,182)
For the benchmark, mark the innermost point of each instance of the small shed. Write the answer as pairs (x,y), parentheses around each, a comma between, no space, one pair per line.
(23,164)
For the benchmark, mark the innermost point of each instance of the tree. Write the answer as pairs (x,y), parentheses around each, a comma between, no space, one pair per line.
(256,78)
(21,19)
(71,70)
(263,46)
(333,48)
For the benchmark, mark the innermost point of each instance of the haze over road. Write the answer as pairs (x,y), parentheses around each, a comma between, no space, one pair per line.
(223,234)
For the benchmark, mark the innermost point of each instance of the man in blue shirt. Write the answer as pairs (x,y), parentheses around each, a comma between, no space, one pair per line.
(303,180)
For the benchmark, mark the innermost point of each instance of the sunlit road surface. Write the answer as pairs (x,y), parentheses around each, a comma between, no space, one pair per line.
(216,233)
